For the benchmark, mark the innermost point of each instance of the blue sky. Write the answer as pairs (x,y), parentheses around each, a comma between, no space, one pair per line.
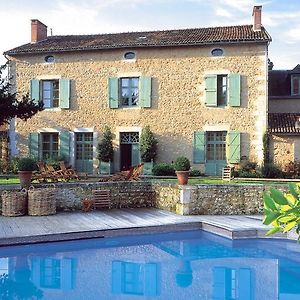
(280,17)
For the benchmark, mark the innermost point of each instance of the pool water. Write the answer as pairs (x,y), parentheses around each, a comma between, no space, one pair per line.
(178,265)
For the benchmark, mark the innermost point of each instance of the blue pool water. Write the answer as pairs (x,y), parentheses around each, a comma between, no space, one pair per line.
(179,265)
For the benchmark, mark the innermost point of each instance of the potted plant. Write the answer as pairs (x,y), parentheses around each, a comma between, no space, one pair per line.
(26,165)
(148,148)
(182,167)
(106,152)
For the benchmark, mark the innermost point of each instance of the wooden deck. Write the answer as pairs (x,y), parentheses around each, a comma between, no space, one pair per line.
(78,225)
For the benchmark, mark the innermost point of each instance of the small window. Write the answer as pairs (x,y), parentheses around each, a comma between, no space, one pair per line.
(217,52)
(295,83)
(129,91)
(50,93)
(129,55)
(49,59)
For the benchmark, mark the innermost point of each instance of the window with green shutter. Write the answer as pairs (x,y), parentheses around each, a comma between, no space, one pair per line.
(199,147)
(53,93)
(211,90)
(113,92)
(234,147)
(145,91)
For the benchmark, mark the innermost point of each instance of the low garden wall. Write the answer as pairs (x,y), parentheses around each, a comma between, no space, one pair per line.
(202,199)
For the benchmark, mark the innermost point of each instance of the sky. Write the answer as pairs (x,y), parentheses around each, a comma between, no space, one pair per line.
(65,17)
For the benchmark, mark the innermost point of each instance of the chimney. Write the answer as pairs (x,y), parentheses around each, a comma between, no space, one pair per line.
(38,31)
(257,17)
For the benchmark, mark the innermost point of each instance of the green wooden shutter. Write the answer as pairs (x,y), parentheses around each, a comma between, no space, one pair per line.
(64,145)
(113,92)
(234,147)
(145,91)
(234,89)
(34,143)
(35,90)
(211,90)
(199,147)
(135,154)
(64,93)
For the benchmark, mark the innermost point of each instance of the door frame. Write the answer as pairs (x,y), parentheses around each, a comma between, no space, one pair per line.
(117,154)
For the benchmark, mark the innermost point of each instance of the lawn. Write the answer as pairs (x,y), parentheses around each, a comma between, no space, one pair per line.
(9,180)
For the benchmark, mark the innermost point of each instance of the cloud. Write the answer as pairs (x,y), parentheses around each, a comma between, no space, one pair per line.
(222,12)
(294,34)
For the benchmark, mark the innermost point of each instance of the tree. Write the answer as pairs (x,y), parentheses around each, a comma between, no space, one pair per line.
(10,106)
(105,147)
(270,65)
(148,145)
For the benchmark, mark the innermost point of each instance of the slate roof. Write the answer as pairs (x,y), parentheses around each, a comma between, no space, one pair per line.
(165,38)
(280,83)
(283,123)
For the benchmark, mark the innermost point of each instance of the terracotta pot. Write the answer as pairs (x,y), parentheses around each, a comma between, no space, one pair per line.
(25,178)
(182,177)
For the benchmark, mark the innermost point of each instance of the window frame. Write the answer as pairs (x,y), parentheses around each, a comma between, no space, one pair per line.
(53,153)
(51,57)
(54,90)
(222,95)
(217,52)
(130,87)
(129,59)
(295,77)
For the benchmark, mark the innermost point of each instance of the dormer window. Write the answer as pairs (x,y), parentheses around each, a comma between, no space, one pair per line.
(295,85)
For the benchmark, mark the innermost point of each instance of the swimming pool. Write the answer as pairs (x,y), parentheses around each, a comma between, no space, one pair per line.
(178,265)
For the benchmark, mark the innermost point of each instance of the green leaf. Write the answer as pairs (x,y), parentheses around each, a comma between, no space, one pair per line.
(273,230)
(269,203)
(289,226)
(291,199)
(287,219)
(293,189)
(278,197)
(269,218)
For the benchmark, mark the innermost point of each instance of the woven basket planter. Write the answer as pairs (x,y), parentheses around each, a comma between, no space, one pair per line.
(14,203)
(41,202)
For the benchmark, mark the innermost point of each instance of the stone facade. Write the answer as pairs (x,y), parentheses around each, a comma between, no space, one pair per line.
(222,199)
(178,95)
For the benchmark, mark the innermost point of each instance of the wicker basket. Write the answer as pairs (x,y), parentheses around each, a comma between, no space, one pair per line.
(14,203)
(41,202)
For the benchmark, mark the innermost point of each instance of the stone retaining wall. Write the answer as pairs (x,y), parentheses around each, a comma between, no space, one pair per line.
(221,199)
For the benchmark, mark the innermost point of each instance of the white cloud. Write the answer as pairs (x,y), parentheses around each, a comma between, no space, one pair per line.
(222,12)
(294,34)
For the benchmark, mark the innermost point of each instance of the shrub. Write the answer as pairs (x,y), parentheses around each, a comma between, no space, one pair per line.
(247,169)
(292,169)
(26,164)
(195,173)
(282,211)
(163,169)
(272,171)
(148,145)
(105,147)
(182,164)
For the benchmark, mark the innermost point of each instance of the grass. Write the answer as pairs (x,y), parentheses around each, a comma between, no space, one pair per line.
(9,180)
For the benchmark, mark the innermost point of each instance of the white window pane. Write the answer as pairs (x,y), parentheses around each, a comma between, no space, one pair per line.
(47,103)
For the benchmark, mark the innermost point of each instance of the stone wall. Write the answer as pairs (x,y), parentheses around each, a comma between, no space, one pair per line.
(222,199)
(178,95)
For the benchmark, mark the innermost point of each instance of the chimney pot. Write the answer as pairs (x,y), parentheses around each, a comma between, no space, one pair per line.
(38,31)
(257,17)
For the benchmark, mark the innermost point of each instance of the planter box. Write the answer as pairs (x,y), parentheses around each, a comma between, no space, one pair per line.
(148,166)
(105,167)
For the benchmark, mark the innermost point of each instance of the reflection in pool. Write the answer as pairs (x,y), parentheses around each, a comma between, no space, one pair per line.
(185,265)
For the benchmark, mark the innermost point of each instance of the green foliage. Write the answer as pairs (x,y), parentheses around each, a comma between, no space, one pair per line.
(270,170)
(196,173)
(163,169)
(292,169)
(10,106)
(148,145)
(282,210)
(247,169)
(182,164)
(105,147)
(26,164)
(266,147)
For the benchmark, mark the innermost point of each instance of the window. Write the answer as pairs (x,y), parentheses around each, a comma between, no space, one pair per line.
(222,90)
(84,146)
(49,143)
(216,145)
(54,93)
(49,59)
(50,93)
(50,273)
(129,55)
(295,83)
(217,52)
(129,92)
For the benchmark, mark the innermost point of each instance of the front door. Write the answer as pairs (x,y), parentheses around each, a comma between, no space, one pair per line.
(84,152)
(129,150)
(215,152)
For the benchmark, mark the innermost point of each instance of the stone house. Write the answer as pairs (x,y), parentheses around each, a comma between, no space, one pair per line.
(202,91)
(284,115)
